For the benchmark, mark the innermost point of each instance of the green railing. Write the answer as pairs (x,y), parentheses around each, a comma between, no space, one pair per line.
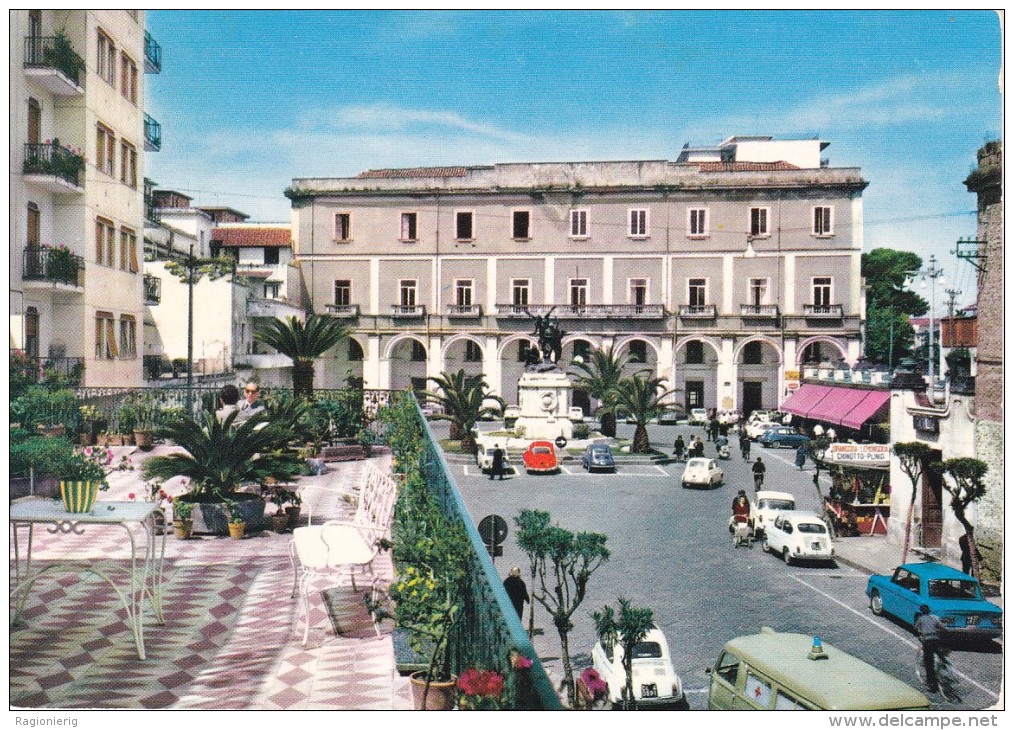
(54,52)
(52,159)
(489,628)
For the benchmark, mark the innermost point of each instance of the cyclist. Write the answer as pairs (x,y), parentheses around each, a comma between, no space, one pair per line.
(930,630)
(758,474)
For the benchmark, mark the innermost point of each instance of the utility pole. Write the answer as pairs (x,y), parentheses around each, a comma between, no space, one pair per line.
(190,330)
(929,273)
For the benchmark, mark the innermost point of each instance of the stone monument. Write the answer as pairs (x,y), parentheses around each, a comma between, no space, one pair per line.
(544,388)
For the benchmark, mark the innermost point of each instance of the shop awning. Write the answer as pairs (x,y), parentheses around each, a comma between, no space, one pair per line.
(837,404)
(867,408)
(805,399)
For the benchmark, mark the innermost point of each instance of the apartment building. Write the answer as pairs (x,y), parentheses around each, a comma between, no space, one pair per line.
(722,271)
(79,134)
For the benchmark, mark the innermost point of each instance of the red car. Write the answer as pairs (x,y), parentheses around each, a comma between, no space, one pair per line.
(540,458)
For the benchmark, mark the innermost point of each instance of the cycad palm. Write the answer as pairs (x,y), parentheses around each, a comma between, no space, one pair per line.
(643,399)
(600,373)
(302,343)
(462,396)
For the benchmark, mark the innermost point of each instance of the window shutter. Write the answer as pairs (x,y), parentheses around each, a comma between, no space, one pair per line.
(111,339)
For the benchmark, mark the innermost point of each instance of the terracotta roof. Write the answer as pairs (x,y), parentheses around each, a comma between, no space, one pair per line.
(416,172)
(261,236)
(744,166)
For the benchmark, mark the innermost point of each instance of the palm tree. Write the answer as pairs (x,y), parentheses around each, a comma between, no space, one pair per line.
(303,343)
(462,398)
(600,374)
(642,398)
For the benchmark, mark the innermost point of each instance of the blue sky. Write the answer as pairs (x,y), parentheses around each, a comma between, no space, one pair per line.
(249,100)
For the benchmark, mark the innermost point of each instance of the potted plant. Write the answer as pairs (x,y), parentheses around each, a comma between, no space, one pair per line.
(147,412)
(82,476)
(293,505)
(219,458)
(481,689)
(281,497)
(237,525)
(126,420)
(92,424)
(182,522)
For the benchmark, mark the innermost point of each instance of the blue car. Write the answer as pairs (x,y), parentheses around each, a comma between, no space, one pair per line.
(953,596)
(782,437)
(598,456)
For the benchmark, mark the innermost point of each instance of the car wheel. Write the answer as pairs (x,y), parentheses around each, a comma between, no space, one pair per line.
(765,546)
(786,556)
(876,603)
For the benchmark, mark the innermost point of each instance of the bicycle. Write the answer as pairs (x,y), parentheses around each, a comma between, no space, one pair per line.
(947,678)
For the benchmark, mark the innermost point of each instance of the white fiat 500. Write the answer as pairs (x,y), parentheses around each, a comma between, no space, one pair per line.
(799,536)
(765,507)
(655,678)
(701,472)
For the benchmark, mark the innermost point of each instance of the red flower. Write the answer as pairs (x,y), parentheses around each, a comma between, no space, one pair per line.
(481,683)
(594,682)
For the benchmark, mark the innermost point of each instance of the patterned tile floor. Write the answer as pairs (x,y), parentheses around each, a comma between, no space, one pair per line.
(233,634)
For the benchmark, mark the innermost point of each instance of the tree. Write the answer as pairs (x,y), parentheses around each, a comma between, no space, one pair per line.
(629,629)
(913,457)
(600,374)
(302,343)
(642,398)
(564,561)
(463,398)
(966,486)
(532,524)
(888,304)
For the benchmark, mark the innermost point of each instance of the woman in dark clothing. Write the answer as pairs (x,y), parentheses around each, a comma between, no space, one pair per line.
(516,590)
(679,448)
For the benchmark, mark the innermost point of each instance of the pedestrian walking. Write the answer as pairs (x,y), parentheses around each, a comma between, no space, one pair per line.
(801,456)
(744,445)
(929,628)
(496,468)
(758,474)
(679,448)
(699,447)
(713,429)
(517,591)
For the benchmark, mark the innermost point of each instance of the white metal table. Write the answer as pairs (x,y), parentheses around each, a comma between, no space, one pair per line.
(143,579)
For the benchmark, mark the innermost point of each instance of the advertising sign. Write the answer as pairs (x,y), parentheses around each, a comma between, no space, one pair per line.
(875,455)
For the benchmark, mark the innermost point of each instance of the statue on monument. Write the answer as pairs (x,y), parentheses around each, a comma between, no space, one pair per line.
(550,338)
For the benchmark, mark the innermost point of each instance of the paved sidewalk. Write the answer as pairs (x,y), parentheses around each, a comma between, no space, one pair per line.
(233,633)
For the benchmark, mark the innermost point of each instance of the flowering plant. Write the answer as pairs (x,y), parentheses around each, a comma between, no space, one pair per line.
(80,467)
(181,510)
(481,689)
(597,686)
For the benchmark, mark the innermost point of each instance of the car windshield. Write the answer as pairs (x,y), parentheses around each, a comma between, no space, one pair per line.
(961,589)
(814,528)
(601,450)
(540,450)
(780,504)
(647,650)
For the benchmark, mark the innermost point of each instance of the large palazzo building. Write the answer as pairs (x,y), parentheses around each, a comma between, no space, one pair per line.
(78,134)
(721,272)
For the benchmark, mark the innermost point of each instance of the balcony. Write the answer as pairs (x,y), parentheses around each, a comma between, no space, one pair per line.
(51,62)
(152,290)
(698,311)
(46,369)
(342,311)
(408,311)
(758,311)
(152,134)
(152,55)
(53,267)
(823,311)
(583,311)
(272,308)
(151,213)
(464,311)
(53,167)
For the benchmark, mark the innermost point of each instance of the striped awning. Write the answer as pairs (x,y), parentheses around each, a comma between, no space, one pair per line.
(872,404)
(805,399)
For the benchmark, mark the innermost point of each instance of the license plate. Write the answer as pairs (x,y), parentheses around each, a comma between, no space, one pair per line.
(816,546)
(649,690)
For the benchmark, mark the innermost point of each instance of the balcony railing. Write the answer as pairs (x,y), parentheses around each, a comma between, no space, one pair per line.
(46,369)
(698,311)
(349,311)
(152,55)
(53,265)
(758,311)
(50,57)
(53,161)
(583,311)
(151,213)
(152,134)
(823,311)
(152,290)
(464,310)
(406,311)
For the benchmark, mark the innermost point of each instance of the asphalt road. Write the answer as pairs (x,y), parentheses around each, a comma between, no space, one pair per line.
(671,551)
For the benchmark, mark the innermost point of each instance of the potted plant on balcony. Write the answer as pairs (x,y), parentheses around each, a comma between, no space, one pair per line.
(237,524)
(282,499)
(182,522)
(92,424)
(219,458)
(126,421)
(147,412)
(81,478)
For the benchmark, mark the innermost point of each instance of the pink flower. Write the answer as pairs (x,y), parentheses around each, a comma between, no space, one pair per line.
(131,496)
(481,683)
(594,682)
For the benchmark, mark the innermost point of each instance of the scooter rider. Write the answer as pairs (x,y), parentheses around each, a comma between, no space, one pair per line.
(722,444)
(758,474)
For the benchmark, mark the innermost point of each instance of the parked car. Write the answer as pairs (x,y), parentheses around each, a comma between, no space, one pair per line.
(540,458)
(575,414)
(654,677)
(756,429)
(953,596)
(598,456)
(729,417)
(510,416)
(484,460)
(702,472)
(672,416)
(698,416)
(782,437)
(767,505)
(798,536)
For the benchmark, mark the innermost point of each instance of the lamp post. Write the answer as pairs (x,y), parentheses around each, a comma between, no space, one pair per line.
(930,273)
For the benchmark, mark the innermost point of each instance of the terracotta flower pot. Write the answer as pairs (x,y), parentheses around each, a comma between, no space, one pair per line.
(236,530)
(79,497)
(280,522)
(144,439)
(439,697)
(183,529)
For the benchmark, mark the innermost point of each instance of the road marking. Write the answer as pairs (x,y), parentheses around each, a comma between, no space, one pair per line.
(664,472)
(565,470)
(878,623)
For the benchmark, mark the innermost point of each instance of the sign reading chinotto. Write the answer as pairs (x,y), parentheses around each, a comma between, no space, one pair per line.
(859,454)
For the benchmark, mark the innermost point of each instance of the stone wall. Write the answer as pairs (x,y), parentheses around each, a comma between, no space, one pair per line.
(989,534)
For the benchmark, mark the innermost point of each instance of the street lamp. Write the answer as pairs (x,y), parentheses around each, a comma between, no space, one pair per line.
(930,273)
